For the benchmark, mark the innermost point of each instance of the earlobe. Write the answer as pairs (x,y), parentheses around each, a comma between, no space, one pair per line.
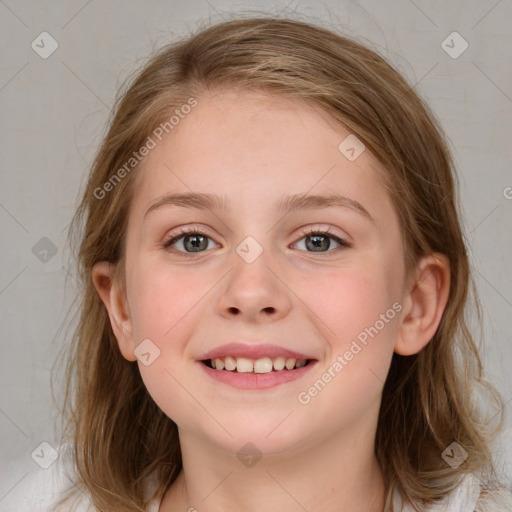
(114,300)
(425,304)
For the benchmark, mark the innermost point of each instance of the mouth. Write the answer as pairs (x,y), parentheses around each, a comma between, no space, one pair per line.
(261,365)
(252,365)
(256,374)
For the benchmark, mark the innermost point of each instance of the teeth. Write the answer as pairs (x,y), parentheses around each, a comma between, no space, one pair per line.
(262,365)
(290,363)
(279,363)
(244,365)
(229,364)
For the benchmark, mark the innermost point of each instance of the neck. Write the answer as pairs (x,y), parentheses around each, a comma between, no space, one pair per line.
(333,474)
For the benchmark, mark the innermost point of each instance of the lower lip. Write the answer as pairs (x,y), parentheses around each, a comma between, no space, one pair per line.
(257,380)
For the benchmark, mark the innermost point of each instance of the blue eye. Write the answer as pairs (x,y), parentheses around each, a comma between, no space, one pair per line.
(319,241)
(191,240)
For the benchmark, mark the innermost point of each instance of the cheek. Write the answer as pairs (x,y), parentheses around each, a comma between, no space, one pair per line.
(351,299)
(164,308)
(359,312)
(162,301)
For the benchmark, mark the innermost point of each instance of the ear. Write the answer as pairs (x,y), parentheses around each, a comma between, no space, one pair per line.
(113,296)
(424,304)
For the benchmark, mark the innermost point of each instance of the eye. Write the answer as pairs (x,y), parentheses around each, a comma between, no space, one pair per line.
(319,241)
(191,240)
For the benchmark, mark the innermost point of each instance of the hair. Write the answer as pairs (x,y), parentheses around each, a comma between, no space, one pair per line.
(120,436)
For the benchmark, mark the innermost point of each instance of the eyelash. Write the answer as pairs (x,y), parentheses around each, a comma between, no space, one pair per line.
(304,233)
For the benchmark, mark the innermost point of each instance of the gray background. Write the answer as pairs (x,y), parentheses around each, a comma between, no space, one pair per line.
(54,112)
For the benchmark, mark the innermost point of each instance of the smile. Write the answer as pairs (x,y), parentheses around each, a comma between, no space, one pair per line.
(261,365)
(245,375)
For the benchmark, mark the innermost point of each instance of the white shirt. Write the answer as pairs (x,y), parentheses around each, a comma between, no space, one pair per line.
(41,489)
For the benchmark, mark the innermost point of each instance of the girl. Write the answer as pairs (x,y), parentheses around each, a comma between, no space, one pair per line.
(274,288)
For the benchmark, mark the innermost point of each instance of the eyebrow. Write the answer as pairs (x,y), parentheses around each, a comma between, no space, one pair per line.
(294,202)
(311,202)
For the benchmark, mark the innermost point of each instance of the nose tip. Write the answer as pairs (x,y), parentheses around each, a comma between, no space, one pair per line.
(254,291)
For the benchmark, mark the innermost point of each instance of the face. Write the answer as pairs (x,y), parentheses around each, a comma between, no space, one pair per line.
(322,281)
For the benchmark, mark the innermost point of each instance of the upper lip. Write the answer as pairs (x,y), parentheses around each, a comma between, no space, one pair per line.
(251,351)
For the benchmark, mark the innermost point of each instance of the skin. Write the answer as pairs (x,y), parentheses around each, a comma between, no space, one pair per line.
(255,148)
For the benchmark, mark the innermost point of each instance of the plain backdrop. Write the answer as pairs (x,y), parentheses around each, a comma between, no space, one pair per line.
(54,111)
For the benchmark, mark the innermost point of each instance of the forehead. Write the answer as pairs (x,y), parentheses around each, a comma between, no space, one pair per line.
(251,147)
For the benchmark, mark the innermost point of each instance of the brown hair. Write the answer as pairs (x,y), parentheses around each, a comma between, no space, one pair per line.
(120,435)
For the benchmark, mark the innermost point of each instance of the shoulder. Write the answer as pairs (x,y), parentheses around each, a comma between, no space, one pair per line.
(469,496)
(41,489)
(494,500)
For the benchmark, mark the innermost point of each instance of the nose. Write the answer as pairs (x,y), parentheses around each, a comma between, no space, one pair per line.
(254,292)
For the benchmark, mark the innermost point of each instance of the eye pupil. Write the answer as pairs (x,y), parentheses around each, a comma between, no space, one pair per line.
(318,242)
(198,242)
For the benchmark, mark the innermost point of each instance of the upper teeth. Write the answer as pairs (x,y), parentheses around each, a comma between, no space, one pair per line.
(262,365)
